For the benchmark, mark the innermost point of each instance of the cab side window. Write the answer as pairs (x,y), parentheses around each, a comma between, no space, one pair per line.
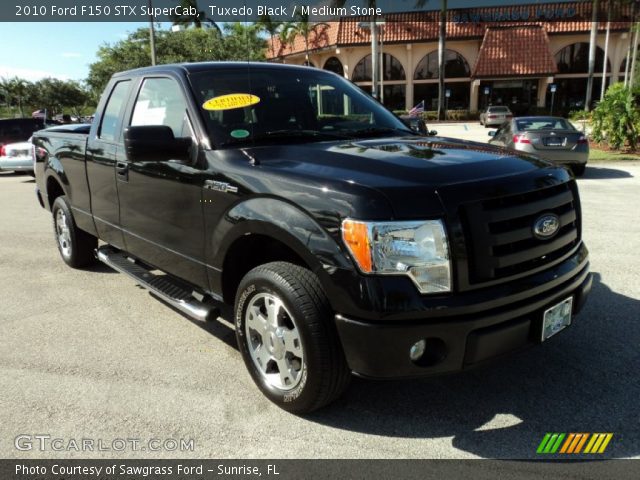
(161,102)
(113,111)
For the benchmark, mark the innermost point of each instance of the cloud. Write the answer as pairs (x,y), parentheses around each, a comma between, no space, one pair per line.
(71,55)
(29,73)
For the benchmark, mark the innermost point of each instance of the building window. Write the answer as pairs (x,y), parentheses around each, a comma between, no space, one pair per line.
(458,100)
(623,67)
(334,65)
(455,66)
(393,82)
(574,58)
(392,68)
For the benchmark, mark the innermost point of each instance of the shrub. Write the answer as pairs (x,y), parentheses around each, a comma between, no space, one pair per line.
(616,119)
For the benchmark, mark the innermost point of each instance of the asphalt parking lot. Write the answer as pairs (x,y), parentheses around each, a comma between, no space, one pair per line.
(87,354)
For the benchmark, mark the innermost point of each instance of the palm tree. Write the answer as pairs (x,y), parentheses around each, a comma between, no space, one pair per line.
(19,90)
(303,27)
(634,56)
(606,49)
(592,54)
(271,27)
(6,90)
(198,20)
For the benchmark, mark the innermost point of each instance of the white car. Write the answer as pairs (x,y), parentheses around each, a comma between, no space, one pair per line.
(495,115)
(16,157)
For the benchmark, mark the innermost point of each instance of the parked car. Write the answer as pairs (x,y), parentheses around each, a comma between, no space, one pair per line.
(344,241)
(16,157)
(551,138)
(495,115)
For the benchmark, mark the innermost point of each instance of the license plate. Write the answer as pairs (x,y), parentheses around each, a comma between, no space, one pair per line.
(19,153)
(555,142)
(556,318)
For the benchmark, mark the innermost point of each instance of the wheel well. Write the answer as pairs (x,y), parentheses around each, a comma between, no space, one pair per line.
(248,252)
(54,190)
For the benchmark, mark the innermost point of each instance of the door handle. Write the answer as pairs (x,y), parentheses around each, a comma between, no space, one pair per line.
(122,171)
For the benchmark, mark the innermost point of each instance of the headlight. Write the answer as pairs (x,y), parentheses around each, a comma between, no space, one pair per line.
(417,249)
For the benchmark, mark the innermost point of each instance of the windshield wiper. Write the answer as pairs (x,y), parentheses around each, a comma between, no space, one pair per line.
(300,134)
(374,131)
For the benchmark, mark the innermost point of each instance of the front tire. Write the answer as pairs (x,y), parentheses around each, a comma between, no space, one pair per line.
(76,246)
(287,337)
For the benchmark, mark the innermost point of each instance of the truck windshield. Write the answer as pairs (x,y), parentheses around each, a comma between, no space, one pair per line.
(255,104)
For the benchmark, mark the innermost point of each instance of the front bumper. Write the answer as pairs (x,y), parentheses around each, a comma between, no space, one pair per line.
(381,349)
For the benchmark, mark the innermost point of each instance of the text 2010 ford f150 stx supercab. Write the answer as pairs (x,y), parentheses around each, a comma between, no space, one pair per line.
(346,243)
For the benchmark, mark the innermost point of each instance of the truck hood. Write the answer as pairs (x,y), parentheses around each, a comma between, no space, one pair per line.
(409,171)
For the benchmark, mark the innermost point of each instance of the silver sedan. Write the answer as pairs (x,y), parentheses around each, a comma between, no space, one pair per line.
(550,138)
(16,157)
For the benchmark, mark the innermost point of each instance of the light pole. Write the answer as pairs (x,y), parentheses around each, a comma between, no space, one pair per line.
(152,35)
(375,68)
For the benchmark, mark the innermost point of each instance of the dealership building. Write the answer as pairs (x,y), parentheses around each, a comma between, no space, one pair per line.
(515,55)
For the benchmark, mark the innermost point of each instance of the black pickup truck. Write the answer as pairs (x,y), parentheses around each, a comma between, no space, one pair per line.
(345,242)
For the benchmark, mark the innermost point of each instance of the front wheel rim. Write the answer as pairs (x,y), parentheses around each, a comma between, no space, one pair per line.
(274,342)
(63,234)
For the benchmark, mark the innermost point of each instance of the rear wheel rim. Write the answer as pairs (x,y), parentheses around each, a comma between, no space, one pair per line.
(274,342)
(63,234)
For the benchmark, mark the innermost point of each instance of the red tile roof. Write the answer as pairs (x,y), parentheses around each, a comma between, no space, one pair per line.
(513,51)
(322,36)
(424,27)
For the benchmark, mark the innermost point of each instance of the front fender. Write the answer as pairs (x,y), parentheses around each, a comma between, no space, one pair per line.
(282,221)
(53,169)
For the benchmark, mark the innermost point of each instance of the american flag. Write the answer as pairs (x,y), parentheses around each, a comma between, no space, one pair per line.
(417,110)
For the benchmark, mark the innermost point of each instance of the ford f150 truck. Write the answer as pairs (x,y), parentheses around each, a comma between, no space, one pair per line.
(346,243)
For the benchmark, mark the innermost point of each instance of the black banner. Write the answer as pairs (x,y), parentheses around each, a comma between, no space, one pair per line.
(315,469)
(460,11)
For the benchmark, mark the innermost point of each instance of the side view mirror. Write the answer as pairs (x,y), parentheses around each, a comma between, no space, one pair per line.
(433,133)
(492,133)
(154,143)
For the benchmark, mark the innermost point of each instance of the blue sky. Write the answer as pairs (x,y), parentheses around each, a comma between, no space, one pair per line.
(62,50)
(65,50)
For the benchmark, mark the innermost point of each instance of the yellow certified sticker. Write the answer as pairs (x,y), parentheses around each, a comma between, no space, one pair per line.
(230,101)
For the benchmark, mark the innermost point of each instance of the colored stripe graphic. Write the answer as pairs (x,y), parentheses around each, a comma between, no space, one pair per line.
(573,443)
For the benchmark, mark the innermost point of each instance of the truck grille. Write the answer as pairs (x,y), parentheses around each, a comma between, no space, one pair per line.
(501,237)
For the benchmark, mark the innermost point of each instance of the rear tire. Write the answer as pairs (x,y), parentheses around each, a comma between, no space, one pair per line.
(578,169)
(76,246)
(287,337)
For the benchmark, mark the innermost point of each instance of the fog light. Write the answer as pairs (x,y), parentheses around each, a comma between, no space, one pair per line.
(417,350)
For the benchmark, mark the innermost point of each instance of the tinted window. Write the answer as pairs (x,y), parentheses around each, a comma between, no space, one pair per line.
(542,123)
(301,102)
(161,102)
(455,66)
(392,69)
(113,110)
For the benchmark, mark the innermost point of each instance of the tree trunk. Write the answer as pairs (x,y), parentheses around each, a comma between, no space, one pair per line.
(592,54)
(634,56)
(606,50)
(441,47)
(628,62)
(374,57)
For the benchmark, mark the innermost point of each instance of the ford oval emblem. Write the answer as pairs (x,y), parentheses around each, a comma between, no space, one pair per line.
(546,226)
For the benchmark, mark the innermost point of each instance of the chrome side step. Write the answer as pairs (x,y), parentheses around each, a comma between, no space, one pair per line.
(168,289)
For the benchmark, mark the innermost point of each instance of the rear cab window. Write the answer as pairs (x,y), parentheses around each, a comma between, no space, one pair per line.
(113,111)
